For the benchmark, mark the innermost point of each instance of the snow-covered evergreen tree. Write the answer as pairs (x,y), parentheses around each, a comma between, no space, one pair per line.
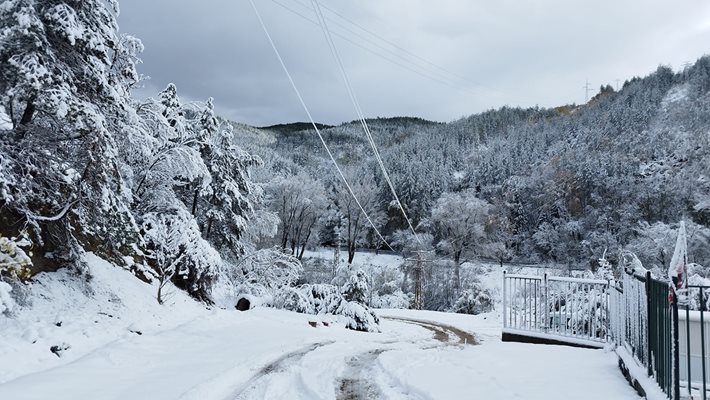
(227,205)
(65,76)
(356,288)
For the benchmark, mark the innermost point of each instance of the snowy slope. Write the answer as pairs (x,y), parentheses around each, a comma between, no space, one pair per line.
(83,312)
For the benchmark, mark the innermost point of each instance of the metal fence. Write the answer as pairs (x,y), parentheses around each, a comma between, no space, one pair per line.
(634,313)
(643,324)
(574,310)
(693,333)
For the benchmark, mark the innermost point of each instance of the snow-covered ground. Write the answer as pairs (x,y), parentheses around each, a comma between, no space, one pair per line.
(123,345)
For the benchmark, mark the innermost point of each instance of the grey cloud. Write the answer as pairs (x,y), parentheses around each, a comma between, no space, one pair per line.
(515,53)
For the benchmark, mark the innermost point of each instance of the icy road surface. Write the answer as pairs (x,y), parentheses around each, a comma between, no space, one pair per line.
(272,354)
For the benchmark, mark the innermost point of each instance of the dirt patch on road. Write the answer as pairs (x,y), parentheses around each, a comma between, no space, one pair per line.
(358,381)
(442,332)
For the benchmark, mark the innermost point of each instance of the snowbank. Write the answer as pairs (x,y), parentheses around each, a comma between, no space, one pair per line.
(81,313)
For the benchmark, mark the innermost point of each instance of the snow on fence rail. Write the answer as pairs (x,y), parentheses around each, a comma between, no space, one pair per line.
(557,308)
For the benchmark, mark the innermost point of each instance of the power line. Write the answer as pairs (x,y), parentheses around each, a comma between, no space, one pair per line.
(418,70)
(315,126)
(398,47)
(358,110)
(445,73)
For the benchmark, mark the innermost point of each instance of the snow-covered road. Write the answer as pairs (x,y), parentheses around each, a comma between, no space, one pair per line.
(122,345)
(273,354)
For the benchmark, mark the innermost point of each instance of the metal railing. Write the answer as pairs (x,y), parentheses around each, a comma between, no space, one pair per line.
(636,313)
(693,332)
(642,323)
(559,308)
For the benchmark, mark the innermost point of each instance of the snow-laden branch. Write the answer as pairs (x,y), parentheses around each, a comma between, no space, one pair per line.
(53,218)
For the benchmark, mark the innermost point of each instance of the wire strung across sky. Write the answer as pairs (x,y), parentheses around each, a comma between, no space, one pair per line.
(395,45)
(315,126)
(412,63)
(358,110)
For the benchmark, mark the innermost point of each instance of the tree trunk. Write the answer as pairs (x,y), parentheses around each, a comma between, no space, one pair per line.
(351,253)
(161,283)
(194,203)
(29,112)
(457,270)
(209,228)
(209,220)
(305,242)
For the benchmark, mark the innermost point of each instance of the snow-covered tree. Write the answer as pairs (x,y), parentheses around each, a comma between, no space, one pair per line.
(459,221)
(165,248)
(353,224)
(356,289)
(65,77)
(268,269)
(227,207)
(176,251)
(301,205)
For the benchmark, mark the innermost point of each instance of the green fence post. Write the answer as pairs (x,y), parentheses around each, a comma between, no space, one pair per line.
(702,341)
(648,323)
(676,350)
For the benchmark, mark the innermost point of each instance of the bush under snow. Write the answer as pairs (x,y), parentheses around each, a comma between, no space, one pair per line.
(13,260)
(322,299)
(474,300)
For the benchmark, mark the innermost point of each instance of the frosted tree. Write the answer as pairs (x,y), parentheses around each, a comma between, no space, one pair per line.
(65,77)
(353,223)
(177,252)
(355,288)
(264,271)
(228,206)
(162,156)
(165,248)
(301,205)
(459,221)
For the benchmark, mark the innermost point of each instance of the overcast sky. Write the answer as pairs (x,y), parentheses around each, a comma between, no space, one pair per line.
(439,60)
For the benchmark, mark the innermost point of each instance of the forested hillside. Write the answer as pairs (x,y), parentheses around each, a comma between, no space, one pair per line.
(556,185)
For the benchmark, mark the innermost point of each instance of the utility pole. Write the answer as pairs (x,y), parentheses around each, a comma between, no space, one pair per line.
(587,87)
(418,269)
(617,85)
(418,282)
(336,256)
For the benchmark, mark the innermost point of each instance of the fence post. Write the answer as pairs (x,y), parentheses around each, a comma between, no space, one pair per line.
(547,306)
(648,324)
(505,308)
(676,350)
(702,341)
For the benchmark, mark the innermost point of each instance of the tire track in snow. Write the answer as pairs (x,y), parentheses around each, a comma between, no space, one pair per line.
(358,380)
(280,365)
